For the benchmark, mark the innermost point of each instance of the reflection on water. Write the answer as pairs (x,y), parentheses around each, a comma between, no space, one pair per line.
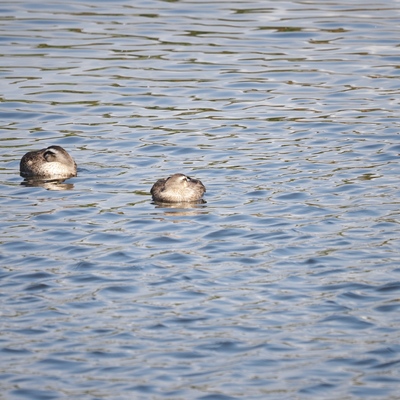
(178,205)
(285,284)
(181,209)
(49,185)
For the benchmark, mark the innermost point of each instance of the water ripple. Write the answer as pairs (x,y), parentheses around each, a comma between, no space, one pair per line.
(288,113)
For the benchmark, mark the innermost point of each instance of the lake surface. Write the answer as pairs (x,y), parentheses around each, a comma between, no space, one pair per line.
(285,284)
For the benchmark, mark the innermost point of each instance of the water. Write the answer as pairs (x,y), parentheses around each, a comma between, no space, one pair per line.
(285,284)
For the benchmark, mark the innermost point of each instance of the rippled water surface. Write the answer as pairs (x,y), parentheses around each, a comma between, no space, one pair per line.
(285,284)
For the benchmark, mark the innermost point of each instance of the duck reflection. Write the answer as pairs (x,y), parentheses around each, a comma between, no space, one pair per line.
(49,185)
(182,208)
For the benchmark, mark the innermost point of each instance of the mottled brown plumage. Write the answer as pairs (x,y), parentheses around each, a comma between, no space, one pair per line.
(177,188)
(51,163)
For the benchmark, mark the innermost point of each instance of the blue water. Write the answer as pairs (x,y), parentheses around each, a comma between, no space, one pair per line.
(285,284)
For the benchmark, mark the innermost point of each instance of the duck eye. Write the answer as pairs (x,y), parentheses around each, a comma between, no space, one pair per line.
(49,155)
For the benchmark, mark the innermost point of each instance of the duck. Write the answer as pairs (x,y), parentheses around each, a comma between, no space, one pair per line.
(52,163)
(178,188)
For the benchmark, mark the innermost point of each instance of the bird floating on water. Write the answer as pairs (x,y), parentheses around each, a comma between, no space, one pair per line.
(54,162)
(177,188)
